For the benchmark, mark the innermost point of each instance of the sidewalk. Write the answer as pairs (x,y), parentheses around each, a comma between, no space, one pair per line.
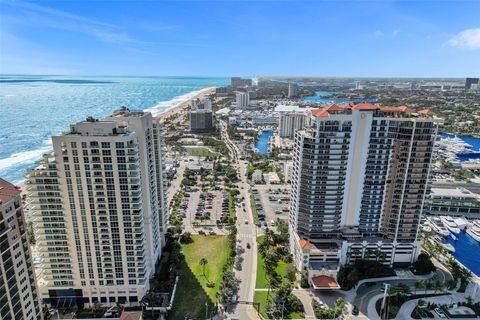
(306,297)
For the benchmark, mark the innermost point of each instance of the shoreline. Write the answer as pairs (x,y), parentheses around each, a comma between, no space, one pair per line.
(182,106)
(174,110)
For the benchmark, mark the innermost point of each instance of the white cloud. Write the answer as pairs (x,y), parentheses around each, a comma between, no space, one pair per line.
(467,39)
(378,34)
(395,33)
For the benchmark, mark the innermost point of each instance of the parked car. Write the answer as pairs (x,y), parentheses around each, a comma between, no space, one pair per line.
(355,310)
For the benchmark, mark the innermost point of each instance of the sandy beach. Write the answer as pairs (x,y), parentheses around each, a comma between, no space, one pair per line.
(182,107)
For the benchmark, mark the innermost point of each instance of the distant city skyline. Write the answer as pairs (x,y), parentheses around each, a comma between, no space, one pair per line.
(220,38)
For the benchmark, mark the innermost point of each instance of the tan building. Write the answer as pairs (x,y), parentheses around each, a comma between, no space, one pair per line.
(99,212)
(359,181)
(18,293)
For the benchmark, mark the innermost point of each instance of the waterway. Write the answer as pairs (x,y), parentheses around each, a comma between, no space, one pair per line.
(320,97)
(474,142)
(262,143)
(467,251)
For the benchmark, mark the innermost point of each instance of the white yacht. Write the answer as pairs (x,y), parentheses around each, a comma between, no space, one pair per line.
(437,226)
(449,222)
(474,230)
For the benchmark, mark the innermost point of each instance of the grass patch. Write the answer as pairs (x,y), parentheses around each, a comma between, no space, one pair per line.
(200,152)
(261,281)
(260,304)
(192,291)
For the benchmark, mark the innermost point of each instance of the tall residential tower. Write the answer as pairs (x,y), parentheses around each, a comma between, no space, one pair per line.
(18,293)
(359,183)
(99,211)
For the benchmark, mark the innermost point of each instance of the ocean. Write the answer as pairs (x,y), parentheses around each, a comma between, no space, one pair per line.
(33,108)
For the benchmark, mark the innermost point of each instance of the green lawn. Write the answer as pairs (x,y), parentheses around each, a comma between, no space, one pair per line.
(262,280)
(260,303)
(200,152)
(192,291)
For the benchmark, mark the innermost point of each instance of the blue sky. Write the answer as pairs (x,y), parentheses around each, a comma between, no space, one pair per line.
(222,38)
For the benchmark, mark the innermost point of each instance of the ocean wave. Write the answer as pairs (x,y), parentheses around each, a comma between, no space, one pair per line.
(167,105)
(25,157)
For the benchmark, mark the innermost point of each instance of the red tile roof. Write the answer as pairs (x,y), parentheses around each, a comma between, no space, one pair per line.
(405,109)
(320,113)
(333,107)
(7,191)
(305,244)
(324,282)
(131,315)
(427,112)
(366,106)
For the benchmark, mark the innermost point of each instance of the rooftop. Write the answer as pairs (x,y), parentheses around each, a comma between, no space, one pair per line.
(7,191)
(290,108)
(341,108)
(324,282)
(452,192)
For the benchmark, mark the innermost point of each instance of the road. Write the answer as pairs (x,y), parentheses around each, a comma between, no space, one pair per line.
(365,293)
(246,233)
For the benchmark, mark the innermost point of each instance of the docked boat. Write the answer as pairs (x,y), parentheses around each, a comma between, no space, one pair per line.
(449,222)
(437,226)
(473,230)
(426,228)
(450,248)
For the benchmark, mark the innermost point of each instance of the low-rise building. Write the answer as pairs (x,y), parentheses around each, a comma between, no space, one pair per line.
(457,202)
(264,120)
(257,176)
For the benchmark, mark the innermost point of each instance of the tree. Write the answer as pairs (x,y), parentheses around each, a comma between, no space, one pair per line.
(438,286)
(428,286)
(423,265)
(204,262)
(418,285)
(290,272)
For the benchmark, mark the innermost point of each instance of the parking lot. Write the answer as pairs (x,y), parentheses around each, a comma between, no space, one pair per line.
(203,208)
(272,203)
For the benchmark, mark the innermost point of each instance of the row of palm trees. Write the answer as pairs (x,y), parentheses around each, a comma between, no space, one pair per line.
(436,286)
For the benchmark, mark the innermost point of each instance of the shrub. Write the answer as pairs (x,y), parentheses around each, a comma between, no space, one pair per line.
(423,265)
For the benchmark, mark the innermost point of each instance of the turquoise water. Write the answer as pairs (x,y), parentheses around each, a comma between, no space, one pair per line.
(466,251)
(262,143)
(33,108)
(320,97)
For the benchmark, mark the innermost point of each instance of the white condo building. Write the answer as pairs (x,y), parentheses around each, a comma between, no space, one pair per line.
(18,292)
(242,99)
(290,122)
(358,185)
(99,211)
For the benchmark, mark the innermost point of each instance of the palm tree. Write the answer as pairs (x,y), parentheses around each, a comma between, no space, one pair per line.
(368,253)
(438,286)
(354,253)
(204,262)
(418,285)
(428,286)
